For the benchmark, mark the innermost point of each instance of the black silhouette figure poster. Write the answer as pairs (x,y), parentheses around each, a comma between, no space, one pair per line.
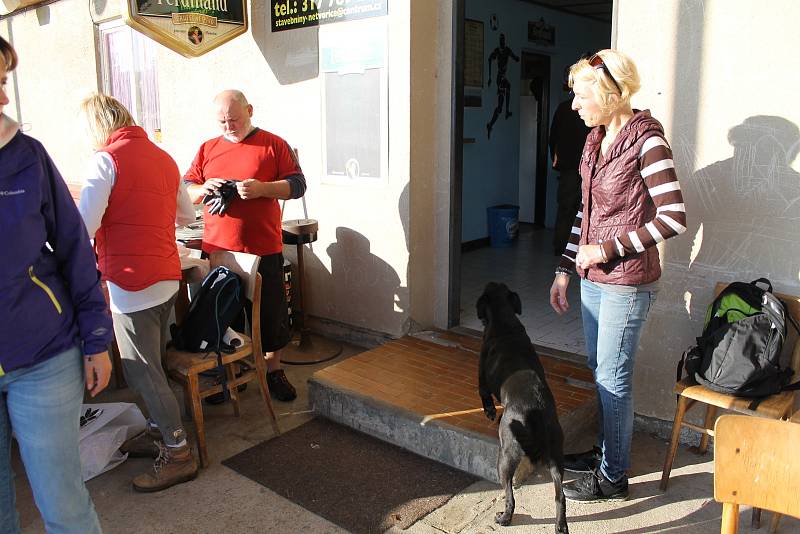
(502,53)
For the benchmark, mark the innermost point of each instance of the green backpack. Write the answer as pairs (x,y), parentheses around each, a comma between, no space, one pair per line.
(739,350)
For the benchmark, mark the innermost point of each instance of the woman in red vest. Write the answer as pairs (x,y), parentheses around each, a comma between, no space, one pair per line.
(129,203)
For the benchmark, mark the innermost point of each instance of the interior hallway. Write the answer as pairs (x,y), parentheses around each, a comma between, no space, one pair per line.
(528,268)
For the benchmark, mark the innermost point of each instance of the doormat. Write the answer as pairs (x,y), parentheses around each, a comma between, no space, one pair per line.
(361,483)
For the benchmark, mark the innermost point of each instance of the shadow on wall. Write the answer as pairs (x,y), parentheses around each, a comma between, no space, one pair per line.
(750,206)
(293,55)
(361,289)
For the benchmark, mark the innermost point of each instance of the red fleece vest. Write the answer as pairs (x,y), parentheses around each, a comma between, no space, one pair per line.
(136,240)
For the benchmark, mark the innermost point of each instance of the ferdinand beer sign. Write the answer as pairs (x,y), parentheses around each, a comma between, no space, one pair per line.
(189,27)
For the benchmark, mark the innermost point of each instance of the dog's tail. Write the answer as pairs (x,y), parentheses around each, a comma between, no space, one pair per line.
(530,436)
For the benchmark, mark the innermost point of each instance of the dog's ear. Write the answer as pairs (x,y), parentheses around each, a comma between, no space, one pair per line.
(481,306)
(516,303)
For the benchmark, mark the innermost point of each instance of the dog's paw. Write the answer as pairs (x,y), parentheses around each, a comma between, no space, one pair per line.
(502,519)
(563,529)
(491,413)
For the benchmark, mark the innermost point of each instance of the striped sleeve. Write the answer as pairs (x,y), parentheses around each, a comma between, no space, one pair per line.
(658,172)
(568,257)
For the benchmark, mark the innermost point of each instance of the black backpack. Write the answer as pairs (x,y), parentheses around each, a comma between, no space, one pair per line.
(739,350)
(212,310)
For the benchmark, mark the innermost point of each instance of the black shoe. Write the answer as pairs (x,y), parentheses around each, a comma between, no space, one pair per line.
(595,487)
(279,386)
(219,398)
(584,462)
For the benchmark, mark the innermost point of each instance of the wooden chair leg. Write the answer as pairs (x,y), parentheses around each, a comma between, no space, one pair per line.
(755,519)
(773,524)
(730,518)
(711,415)
(680,411)
(233,391)
(197,416)
(264,388)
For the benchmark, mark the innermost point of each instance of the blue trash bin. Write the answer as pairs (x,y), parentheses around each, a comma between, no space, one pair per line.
(503,223)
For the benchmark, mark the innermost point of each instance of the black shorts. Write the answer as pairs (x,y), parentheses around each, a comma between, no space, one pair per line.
(275,332)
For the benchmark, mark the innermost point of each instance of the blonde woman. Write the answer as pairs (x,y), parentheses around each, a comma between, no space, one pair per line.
(131,201)
(631,201)
(54,330)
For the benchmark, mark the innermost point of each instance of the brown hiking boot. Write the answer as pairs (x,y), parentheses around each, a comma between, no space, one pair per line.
(174,465)
(142,445)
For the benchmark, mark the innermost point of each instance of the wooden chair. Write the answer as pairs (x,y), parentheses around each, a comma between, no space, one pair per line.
(756,463)
(185,367)
(778,406)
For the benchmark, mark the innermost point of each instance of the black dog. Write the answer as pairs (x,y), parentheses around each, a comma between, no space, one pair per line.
(510,370)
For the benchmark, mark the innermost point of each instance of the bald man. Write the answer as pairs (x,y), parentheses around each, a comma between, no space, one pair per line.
(265,169)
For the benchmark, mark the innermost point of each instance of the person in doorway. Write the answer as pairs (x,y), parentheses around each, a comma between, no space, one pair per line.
(130,203)
(631,201)
(501,54)
(567,136)
(265,169)
(54,330)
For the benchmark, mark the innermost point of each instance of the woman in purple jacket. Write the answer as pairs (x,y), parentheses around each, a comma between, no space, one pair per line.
(54,329)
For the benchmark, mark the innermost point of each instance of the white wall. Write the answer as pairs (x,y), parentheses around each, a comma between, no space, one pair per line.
(721,75)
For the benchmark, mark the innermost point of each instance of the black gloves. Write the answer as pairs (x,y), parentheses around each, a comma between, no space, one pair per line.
(218,201)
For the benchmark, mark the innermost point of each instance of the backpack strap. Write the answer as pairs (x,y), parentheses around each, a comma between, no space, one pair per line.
(763,281)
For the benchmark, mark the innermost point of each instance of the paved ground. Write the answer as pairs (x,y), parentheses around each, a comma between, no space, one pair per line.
(221,500)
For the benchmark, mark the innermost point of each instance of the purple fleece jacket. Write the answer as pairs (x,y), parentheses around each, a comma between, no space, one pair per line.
(50,297)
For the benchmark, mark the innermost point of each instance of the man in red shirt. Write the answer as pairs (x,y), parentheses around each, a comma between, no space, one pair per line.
(265,169)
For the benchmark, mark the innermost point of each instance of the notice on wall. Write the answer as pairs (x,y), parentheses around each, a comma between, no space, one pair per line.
(473,53)
(291,14)
(354,103)
(189,27)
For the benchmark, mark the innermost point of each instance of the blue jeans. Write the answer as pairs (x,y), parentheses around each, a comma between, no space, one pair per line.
(41,404)
(613,318)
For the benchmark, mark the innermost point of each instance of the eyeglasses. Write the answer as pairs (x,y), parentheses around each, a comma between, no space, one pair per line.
(596,62)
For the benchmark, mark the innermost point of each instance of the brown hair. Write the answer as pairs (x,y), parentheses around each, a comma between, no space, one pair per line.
(8,57)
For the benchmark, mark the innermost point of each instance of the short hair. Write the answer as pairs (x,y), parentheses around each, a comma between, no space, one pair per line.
(623,70)
(105,115)
(8,56)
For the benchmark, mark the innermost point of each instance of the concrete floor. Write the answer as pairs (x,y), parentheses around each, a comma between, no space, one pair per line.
(222,500)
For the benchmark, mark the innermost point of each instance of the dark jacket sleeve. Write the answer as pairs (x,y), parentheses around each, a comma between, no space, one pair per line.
(67,236)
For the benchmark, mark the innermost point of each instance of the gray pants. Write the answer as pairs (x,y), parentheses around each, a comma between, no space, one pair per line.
(142,339)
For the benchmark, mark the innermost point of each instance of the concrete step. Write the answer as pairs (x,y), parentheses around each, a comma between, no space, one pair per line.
(420,393)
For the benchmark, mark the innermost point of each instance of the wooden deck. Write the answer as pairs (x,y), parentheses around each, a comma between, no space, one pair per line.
(437,379)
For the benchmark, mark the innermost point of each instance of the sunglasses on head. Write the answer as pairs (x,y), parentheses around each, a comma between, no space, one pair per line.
(596,62)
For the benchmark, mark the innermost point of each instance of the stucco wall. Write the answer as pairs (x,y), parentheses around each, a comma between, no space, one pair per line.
(721,78)
(356,273)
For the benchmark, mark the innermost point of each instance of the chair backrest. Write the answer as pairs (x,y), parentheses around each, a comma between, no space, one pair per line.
(756,463)
(790,355)
(243,264)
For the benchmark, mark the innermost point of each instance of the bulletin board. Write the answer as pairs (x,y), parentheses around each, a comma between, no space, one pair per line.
(473,53)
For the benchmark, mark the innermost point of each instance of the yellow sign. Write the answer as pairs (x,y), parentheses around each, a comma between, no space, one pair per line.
(189,27)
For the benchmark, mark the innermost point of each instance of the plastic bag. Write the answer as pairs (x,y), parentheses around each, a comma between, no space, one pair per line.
(104,427)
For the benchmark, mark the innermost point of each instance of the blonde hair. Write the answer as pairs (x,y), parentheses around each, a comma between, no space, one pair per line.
(104,115)
(8,56)
(620,67)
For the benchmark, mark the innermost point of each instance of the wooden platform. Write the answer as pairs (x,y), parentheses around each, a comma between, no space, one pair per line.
(431,379)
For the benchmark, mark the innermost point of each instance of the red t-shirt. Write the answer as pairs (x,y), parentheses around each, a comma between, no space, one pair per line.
(252,226)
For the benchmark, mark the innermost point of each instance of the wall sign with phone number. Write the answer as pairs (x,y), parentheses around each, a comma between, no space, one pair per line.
(291,14)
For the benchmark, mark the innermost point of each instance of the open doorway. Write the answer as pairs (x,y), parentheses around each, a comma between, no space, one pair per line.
(505,157)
